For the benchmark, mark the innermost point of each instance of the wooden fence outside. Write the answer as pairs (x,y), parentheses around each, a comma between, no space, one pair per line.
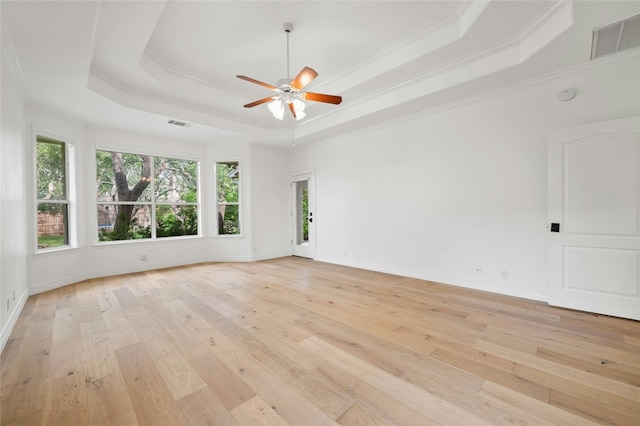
(50,224)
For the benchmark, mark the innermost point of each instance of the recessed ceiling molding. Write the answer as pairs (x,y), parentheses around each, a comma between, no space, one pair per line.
(12,59)
(554,21)
(432,38)
(129,99)
(469,12)
(458,72)
(176,79)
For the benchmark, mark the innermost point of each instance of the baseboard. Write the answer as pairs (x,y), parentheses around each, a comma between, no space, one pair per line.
(12,320)
(440,280)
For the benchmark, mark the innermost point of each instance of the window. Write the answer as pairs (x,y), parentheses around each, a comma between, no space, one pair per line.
(52,193)
(144,197)
(228,197)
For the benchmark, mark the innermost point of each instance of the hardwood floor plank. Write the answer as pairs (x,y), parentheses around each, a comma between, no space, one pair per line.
(24,384)
(203,408)
(374,399)
(357,414)
(286,402)
(529,410)
(109,402)
(605,368)
(483,370)
(181,379)
(424,402)
(257,412)
(587,394)
(584,377)
(65,358)
(295,341)
(149,394)
(66,325)
(598,413)
(227,386)
(66,402)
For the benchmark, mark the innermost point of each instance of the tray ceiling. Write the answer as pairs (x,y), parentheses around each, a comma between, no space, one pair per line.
(138,64)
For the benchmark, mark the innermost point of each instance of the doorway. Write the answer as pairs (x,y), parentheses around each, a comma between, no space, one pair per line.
(302,215)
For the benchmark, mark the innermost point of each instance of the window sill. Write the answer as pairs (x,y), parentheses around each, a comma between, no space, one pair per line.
(147,240)
(55,250)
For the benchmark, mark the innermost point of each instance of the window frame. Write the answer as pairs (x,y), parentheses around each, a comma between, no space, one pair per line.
(239,203)
(151,203)
(70,189)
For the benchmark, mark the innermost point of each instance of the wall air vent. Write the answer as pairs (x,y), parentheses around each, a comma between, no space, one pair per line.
(616,37)
(180,123)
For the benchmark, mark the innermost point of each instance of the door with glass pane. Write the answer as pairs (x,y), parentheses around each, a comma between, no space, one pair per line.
(302,219)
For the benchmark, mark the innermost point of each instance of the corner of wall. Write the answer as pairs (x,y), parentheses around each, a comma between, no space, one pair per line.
(7,327)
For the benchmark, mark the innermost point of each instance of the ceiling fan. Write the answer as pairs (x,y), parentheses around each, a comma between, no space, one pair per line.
(289,92)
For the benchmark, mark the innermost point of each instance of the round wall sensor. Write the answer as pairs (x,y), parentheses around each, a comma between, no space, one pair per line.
(566,94)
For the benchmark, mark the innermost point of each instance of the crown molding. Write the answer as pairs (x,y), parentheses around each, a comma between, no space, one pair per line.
(9,54)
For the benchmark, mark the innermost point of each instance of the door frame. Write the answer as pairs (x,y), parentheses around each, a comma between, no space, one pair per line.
(310,250)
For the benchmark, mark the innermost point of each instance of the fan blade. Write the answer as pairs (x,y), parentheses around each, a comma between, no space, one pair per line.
(303,78)
(293,110)
(251,80)
(319,97)
(261,101)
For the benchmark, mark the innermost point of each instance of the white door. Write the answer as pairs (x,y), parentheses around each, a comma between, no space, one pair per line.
(302,219)
(594,217)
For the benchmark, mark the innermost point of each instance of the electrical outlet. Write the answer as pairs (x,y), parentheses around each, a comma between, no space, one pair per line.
(143,257)
(8,304)
(504,274)
(478,270)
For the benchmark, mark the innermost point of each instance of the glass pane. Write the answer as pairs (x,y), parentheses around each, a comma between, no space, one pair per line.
(51,169)
(173,221)
(176,180)
(228,179)
(52,225)
(228,219)
(122,177)
(302,212)
(123,222)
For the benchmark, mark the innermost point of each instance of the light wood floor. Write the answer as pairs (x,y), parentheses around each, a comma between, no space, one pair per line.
(292,341)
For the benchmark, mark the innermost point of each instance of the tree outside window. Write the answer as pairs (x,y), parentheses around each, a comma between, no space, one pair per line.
(145,197)
(228,197)
(52,198)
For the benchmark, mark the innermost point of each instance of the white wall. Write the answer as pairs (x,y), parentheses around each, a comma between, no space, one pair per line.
(13,208)
(436,196)
(270,203)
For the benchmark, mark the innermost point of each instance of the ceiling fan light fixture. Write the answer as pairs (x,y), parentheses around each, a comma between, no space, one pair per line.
(277,108)
(290,94)
(298,105)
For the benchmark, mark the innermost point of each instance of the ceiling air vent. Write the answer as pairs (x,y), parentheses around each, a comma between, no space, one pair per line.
(616,37)
(180,123)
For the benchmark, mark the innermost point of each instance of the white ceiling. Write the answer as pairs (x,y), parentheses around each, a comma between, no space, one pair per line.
(136,64)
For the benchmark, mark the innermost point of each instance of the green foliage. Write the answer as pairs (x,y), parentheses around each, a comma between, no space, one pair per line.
(50,169)
(228,197)
(175,182)
(126,229)
(171,223)
(229,221)
(305,215)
